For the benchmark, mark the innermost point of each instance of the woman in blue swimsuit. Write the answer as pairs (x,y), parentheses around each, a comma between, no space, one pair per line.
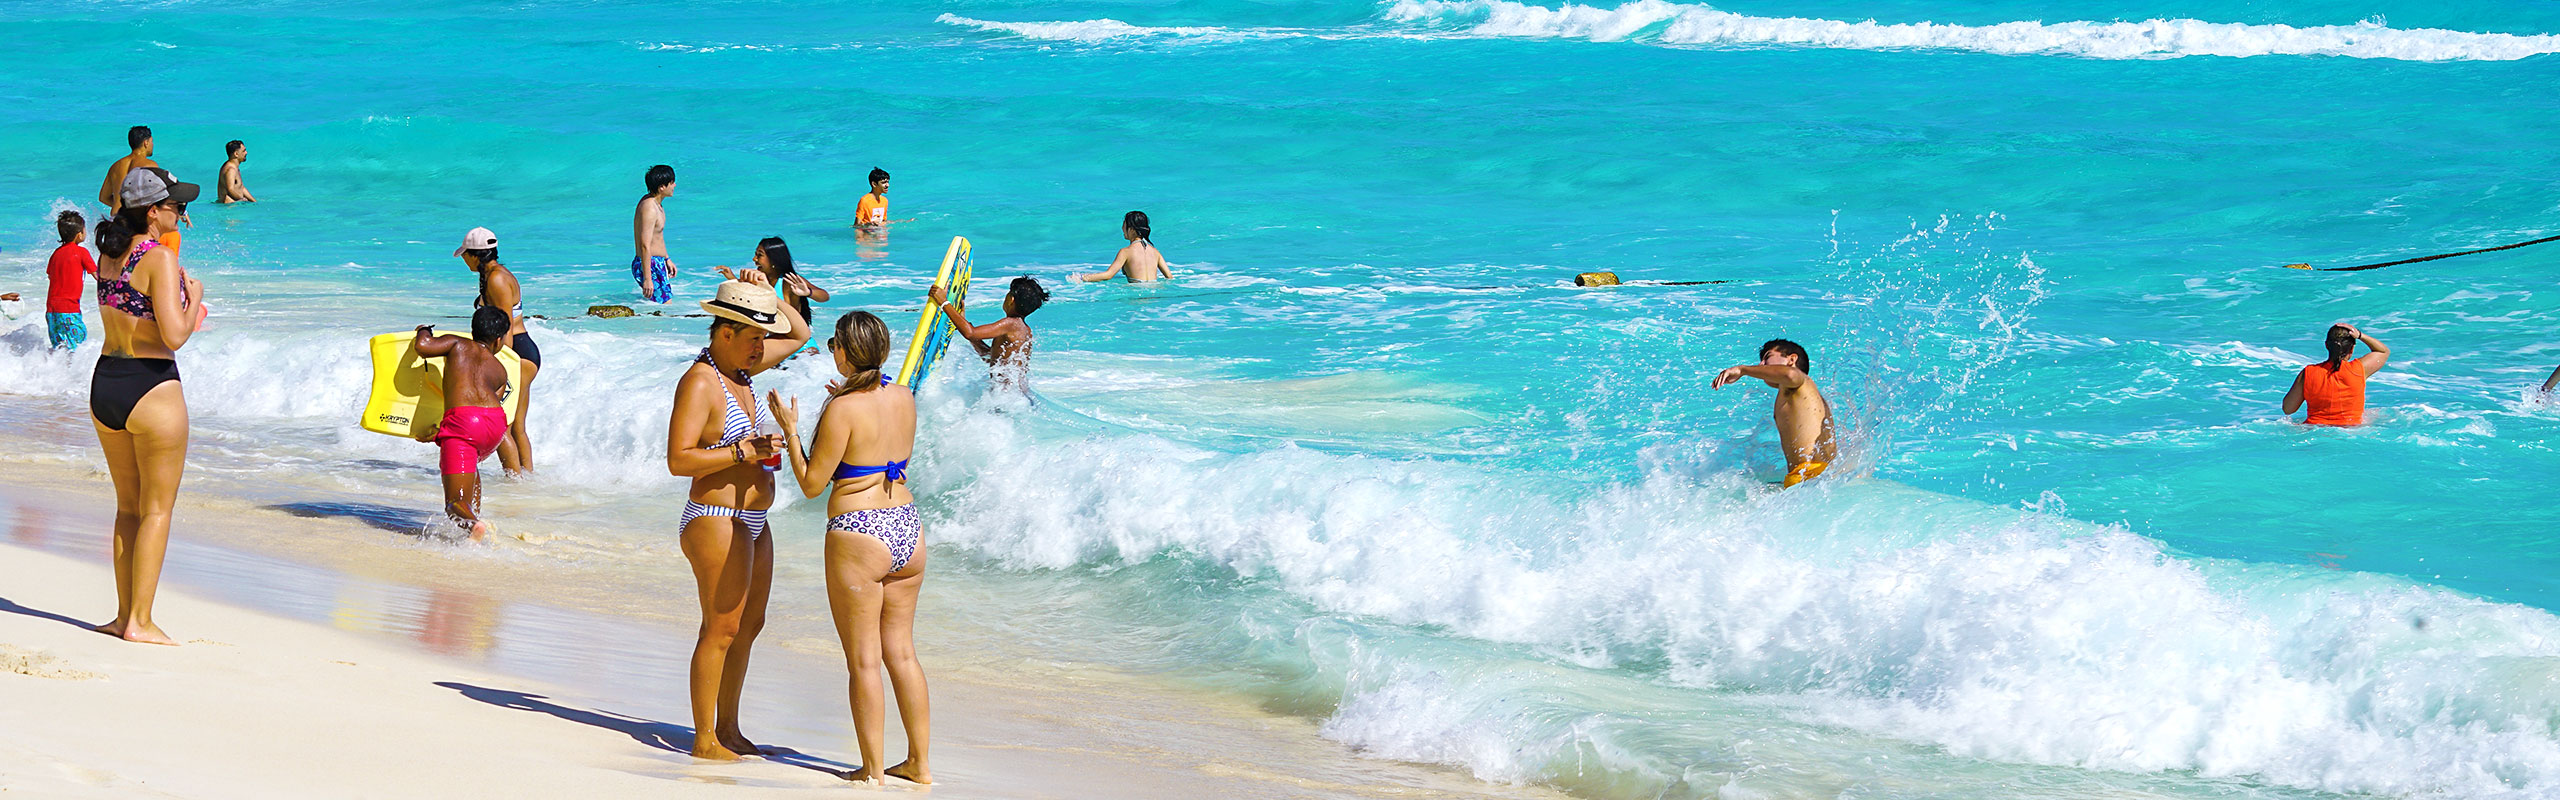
(875,547)
(712,438)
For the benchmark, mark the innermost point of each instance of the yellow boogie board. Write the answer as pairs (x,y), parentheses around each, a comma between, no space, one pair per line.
(933,332)
(408,390)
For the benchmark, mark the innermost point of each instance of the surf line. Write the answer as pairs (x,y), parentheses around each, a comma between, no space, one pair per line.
(2424,258)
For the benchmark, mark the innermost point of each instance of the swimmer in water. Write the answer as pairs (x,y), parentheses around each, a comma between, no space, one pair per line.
(1140,262)
(475,414)
(871,213)
(227,187)
(2334,389)
(651,268)
(1803,416)
(1004,343)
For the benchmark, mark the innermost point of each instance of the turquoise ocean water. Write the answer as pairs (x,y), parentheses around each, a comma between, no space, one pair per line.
(1373,461)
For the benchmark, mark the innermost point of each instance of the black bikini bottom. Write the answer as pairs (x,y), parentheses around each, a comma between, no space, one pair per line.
(120,382)
(526,349)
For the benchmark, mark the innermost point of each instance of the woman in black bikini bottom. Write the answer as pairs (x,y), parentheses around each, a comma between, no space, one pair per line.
(146,311)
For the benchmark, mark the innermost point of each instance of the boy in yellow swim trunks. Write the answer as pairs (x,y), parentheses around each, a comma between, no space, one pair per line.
(1803,416)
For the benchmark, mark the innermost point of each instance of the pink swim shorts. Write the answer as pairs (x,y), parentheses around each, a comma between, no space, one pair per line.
(468,435)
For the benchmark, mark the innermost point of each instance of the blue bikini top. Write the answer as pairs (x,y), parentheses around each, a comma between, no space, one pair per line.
(895,470)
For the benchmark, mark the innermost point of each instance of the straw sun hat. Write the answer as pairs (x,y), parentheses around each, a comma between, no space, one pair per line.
(740,301)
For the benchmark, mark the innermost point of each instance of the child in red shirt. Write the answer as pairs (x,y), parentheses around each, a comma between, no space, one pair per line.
(64,273)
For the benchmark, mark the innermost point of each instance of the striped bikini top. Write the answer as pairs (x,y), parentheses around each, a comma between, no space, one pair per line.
(736,425)
(118,292)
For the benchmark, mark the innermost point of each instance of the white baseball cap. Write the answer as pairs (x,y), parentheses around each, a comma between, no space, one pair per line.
(477,239)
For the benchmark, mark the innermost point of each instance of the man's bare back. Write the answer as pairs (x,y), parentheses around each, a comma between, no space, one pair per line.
(473,376)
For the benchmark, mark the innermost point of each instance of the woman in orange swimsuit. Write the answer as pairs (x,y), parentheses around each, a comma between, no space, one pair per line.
(2334,389)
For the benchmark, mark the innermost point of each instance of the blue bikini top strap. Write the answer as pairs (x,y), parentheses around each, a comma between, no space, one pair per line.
(895,470)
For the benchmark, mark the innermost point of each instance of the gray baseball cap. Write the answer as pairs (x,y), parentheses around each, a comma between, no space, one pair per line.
(148,186)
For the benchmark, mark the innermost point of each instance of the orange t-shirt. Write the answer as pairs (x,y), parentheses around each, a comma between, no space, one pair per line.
(871,211)
(2335,397)
(170,240)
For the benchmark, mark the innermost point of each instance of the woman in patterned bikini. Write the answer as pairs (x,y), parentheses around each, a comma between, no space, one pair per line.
(875,553)
(712,438)
(145,313)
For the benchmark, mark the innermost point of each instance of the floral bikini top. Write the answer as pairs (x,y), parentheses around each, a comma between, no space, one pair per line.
(118,292)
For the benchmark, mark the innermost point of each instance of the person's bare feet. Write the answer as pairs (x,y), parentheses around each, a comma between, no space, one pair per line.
(911,771)
(737,743)
(712,751)
(480,531)
(865,775)
(147,633)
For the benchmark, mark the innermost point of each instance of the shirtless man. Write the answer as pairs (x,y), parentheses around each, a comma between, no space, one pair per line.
(1141,262)
(475,414)
(650,266)
(1803,416)
(139,138)
(1004,343)
(227,187)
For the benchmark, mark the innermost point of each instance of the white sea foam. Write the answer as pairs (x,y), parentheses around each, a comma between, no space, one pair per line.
(1987,632)
(1694,25)
(1098,30)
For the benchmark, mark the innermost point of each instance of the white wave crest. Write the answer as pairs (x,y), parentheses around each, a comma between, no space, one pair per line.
(1691,24)
(1098,30)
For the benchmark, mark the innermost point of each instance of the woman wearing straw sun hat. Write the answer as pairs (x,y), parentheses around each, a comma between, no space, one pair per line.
(715,436)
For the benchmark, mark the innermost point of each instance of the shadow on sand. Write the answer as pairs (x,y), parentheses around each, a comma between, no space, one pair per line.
(396,520)
(11,606)
(666,736)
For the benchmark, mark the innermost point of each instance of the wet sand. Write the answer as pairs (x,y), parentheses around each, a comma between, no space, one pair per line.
(325,656)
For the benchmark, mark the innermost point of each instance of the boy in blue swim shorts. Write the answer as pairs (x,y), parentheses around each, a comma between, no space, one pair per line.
(650,267)
(66,276)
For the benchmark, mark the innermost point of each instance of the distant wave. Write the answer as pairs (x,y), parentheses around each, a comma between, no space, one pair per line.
(1097,30)
(1688,24)
(1685,24)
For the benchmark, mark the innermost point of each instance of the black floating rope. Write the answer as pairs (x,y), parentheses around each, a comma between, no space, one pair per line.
(2427,258)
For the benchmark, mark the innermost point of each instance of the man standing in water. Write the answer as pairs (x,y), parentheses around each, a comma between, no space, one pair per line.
(139,139)
(650,266)
(475,414)
(227,187)
(1803,416)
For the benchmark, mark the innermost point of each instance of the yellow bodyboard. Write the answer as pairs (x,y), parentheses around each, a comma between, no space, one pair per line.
(933,332)
(408,390)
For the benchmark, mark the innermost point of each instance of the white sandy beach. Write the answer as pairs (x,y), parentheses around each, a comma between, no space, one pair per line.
(260,704)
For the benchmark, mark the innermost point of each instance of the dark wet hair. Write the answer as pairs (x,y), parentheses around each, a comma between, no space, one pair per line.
(864,341)
(113,238)
(776,253)
(136,135)
(1027,296)
(489,324)
(232,148)
(68,224)
(485,256)
(878,174)
(1804,361)
(2341,342)
(658,178)
(1137,221)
